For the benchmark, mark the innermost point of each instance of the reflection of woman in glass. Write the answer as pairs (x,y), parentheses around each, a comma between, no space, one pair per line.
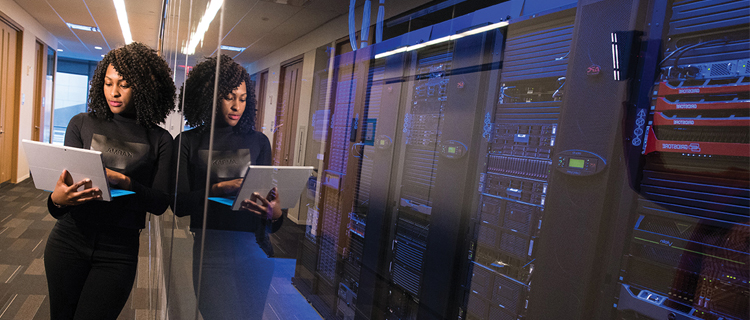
(236,274)
(92,252)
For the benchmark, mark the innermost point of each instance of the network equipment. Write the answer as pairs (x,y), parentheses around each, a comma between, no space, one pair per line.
(518,163)
(688,257)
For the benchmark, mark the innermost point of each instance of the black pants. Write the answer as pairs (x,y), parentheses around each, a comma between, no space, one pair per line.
(90,271)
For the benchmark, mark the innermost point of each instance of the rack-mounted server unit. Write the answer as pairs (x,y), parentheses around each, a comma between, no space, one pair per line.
(689,253)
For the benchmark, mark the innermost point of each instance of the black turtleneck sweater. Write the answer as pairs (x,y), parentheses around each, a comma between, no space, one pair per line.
(232,153)
(144,155)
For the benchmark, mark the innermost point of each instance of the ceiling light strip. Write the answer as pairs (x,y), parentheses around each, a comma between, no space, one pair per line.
(443,39)
(81,27)
(197,36)
(122,15)
(231,48)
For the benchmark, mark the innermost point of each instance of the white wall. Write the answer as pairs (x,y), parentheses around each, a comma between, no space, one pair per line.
(32,31)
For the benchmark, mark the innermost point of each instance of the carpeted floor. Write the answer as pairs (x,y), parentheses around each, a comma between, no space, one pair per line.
(25,225)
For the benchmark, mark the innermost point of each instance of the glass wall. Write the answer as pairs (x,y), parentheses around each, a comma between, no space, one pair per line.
(509,160)
(71,91)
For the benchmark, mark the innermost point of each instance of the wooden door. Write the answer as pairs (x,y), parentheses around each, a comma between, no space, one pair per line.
(40,80)
(261,81)
(8,83)
(285,125)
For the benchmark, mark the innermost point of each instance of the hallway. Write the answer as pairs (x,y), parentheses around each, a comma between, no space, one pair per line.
(25,224)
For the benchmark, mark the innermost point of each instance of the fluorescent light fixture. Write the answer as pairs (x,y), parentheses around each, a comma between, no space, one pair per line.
(486,28)
(102,56)
(443,39)
(81,27)
(197,36)
(429,43)
(97,47)
(231,48)
(392,52)
(122,15)
(59,50)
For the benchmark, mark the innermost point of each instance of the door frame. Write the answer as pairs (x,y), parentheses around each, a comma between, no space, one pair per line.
(291,126)
(40,77)
(16,108)
(260,97)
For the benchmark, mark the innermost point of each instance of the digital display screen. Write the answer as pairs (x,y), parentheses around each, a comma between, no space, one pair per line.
(452,149)
(576,163)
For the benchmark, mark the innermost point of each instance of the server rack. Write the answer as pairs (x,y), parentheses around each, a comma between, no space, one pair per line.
(517,162)
(364,150)
(423,121)
(590,201)
(688,255)
(335,285)
(362,270)
(558,200)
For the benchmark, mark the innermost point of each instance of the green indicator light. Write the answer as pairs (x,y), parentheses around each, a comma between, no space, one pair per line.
(452,149)
(382,142)
(576,163)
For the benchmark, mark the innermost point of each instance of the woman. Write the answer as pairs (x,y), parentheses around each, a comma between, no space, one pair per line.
(92,252)
(235,272)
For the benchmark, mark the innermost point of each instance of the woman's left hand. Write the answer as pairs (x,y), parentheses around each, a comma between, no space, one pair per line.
(269,208)
(118,179)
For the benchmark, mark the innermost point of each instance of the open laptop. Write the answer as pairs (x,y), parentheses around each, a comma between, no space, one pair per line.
(47,162)
(290,181)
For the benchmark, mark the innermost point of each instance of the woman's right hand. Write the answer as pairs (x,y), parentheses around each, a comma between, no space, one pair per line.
(229,187)
(66,192)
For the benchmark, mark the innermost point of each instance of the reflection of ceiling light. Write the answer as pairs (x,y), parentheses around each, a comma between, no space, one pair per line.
(230,48)
(293,3)
(97,47)
(81,27)
(443,39)
(197,36)
(122,15)
(60,50)
(102,56)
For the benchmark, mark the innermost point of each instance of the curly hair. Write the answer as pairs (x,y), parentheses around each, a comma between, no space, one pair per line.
(147,73)
(198,92)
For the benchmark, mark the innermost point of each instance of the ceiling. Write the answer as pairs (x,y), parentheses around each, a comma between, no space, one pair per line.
(143,16)
(260,26)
